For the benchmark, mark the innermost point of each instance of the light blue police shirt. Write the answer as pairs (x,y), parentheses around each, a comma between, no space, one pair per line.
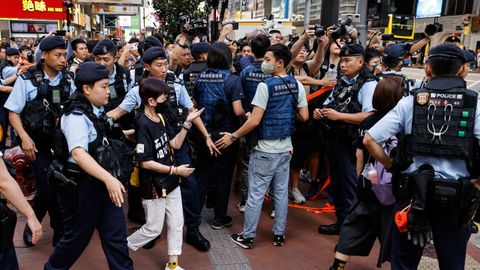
(24,91)
(399,120)
(365,94)
(133,101)
(8,72)
(78,130)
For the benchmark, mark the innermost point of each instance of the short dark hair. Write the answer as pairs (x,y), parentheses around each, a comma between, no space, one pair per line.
(259,45)
(152,88)
(281,52)
(24,48)
(79,85)
(387,93)
(219,56)
(273,31)
(91,44)
(371,53)
(444,66)
(391,62)
(77,41)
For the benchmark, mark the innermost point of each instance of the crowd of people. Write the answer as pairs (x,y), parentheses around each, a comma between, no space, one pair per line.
(165,121)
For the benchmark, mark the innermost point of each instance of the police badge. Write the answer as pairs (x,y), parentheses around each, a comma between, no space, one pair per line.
(422,98)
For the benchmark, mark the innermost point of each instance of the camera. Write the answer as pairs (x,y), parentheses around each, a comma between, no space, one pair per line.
(342,29)
(319,30)
(432,29)
(197,27)
(30,57)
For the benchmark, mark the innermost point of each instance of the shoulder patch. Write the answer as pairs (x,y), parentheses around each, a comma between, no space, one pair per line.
(422,98)
(140,149)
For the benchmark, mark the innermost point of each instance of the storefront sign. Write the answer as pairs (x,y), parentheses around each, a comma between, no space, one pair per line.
(33,9)
(32,27)
(114,10)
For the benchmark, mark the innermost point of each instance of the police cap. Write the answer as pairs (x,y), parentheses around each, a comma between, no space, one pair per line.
(394,51)
(200,47)
(352,50)
(452,39)
(447,50)
(469,56)
(104,47)
(52,42)
(90,72)
(152,41)
(154,53)
(11,51)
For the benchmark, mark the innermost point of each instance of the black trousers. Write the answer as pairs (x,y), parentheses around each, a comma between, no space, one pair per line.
(450,241)
(215,173)
(45,197)
(94,210)
(192,208)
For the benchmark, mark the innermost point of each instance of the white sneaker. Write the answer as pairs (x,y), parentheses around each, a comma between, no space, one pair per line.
(272,215)
(297,196)
(305,175)
(241,207)
(176,268)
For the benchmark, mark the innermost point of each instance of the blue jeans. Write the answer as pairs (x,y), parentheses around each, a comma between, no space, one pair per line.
(265,168)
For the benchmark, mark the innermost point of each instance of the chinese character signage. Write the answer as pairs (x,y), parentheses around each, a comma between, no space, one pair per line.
(33,9)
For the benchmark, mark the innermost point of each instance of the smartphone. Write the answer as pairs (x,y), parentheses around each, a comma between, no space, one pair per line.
(60,33)
(235,25)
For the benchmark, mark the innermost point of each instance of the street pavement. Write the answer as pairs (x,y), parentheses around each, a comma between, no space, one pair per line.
(304,247)
(419,73)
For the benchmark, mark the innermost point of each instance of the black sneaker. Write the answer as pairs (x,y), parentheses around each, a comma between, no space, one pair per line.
(226,222)
(279,240)
(246,243)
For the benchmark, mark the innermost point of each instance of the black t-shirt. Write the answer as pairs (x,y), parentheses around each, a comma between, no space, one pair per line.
(233,91)
(152,144)
(367,123)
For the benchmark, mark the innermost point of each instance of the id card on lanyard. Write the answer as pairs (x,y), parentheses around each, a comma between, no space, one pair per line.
(113,91)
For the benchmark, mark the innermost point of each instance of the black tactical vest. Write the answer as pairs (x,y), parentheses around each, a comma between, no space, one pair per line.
(108,149)
(138,70)
(191,74)
(443,123)
(345,100)
(175,113)
(40,115)
(118,89)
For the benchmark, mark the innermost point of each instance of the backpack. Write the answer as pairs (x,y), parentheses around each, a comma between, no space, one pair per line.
(383,190)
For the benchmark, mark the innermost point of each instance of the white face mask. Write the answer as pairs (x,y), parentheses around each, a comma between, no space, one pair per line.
(267,68)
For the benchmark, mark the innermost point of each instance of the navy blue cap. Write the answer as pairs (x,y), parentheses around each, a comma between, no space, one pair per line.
(103,47)
(352,50)
(200,47)
(154,53)
(90,72)
(469,56)
(52,42)
(447,50)
(11,51)
(394,51)
(152,41)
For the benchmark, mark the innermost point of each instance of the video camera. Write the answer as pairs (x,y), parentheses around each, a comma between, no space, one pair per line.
(197,27)
(342,28)
(432,29)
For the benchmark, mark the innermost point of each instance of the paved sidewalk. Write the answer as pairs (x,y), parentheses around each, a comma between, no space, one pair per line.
(304,247)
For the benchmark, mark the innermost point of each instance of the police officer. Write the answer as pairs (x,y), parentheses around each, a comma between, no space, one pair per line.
(34,105)
(96,199)
(105,53)
(179,104)
(436,162)
(199,64)
(347,106)
(221,94)
(10,66)
(392,63)
(278,101)
(137,70)
(251,76)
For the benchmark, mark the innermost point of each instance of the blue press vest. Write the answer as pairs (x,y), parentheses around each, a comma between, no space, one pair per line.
(210,83)
(279,118)
(251,76)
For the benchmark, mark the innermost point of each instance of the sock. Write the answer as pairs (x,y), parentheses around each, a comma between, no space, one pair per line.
(338,264)
(172,265)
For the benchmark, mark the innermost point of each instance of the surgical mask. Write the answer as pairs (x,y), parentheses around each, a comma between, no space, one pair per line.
(267,68)
(161,107)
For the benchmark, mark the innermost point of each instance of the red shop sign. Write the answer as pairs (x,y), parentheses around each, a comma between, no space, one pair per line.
(33,9)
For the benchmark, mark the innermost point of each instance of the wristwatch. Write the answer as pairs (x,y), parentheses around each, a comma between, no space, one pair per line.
(233,137)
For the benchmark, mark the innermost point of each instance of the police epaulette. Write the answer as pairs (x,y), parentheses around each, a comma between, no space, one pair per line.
(78,111)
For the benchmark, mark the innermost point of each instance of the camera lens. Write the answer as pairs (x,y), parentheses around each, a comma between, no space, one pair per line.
(319,31)
(431,29)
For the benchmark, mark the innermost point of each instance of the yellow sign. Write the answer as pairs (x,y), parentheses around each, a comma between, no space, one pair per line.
(29,5)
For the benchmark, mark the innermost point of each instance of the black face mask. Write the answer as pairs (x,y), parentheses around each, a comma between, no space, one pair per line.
(161,107)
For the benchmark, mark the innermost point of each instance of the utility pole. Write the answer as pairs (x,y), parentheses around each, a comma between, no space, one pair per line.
(306,19)
(362,9)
